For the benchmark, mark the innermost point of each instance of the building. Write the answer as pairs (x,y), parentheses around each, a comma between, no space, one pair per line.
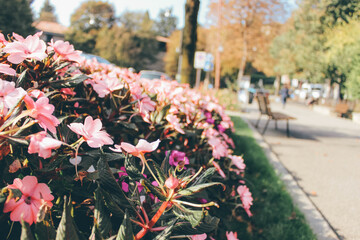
(51,30)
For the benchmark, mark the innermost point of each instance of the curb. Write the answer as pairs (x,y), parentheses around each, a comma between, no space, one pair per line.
(317,222)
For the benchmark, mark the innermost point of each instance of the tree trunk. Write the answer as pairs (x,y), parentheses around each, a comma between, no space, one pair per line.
(243,59)
(189,42)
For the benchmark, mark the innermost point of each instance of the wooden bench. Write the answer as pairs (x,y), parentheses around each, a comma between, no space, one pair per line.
(341,109)
(264,108)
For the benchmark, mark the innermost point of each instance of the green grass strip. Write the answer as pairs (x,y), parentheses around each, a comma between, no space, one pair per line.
(275,216)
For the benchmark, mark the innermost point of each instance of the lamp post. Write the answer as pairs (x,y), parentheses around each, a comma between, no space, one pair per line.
(218,50)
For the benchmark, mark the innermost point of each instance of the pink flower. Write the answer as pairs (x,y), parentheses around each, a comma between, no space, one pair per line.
(42,111)
(175,123)
(9,95)
(68,91)
(34,195)
(178,158)
(172,182)
(65,51)
(218,169)
(3,41)
(199,237)
(30,48)
(231,235)
(41,144)
(145,105)
(6,69)
(238,162)
(105,85)
(220,149)
(91,132)
(246,198)
(142,147)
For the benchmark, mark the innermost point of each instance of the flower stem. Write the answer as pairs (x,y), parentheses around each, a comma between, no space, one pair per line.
(155,218)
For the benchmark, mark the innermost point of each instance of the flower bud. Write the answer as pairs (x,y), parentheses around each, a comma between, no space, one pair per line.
(172,182)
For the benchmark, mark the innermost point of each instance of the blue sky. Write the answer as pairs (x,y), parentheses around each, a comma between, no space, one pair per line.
(64,8)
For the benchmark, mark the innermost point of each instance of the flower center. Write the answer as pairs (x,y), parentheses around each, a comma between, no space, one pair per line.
(28,200)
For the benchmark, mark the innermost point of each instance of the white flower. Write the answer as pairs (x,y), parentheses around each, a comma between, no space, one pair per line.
(91,169)
(75,161)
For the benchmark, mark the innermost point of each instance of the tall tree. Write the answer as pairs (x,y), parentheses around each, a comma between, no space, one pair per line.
(47,12)
(189,41)
(87,21)
(137,22)
(126,48)
(248,27)
(165,23)
(16,16)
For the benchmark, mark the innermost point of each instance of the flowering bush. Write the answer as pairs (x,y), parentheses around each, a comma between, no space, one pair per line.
(94,152)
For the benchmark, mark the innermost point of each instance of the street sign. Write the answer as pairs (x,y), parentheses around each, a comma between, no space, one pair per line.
(199,61)
(209,62)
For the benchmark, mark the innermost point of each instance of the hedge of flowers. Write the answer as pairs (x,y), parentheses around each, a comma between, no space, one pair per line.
(89,150)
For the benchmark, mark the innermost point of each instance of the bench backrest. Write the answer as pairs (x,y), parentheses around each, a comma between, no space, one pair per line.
(342,108)
(264,105)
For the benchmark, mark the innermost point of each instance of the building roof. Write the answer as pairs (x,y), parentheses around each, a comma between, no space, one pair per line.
(50,27)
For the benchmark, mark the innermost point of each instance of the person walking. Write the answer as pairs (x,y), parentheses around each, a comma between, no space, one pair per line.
(284,93)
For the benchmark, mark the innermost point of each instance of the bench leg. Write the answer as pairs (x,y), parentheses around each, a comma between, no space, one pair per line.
(287,128)
(257,122)
(267,123)
(276,124)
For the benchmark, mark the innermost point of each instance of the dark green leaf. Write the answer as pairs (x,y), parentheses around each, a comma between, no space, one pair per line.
(165,165)
(200,187)
(164,235)
(69,82)
(192,216)
(95,233)
(26,233)
(45,230)
(125,231)
(101,215)
(108,183)
(113,207)
(67,229)
(160,173)
(61,66)
(154,190)
(204,176)
(21,79)
(162,113)
(208,224)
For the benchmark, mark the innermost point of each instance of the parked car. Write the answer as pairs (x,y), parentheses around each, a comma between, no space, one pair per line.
(89,56)
(150,74)
(311,90)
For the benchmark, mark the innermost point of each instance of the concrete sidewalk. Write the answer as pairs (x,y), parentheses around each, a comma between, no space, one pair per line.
(322,157)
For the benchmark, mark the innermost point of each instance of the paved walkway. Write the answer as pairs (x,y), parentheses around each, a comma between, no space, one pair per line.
(323,155)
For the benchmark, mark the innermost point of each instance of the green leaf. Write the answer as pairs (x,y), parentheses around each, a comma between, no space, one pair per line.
(192,216)
(69,82)
(208,224)
(125,231)
(112,205)
(67,229)
(21,79)
(95,233)
(160,174)
(165,234)
(151,188)
(26,233)
(108,183)
(165,165)
(101,215)
(197,188)
(204,176)
(162,113)
(44,230)
(61,66)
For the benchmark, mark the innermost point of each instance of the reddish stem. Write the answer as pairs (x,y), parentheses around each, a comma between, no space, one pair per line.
(155,218)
